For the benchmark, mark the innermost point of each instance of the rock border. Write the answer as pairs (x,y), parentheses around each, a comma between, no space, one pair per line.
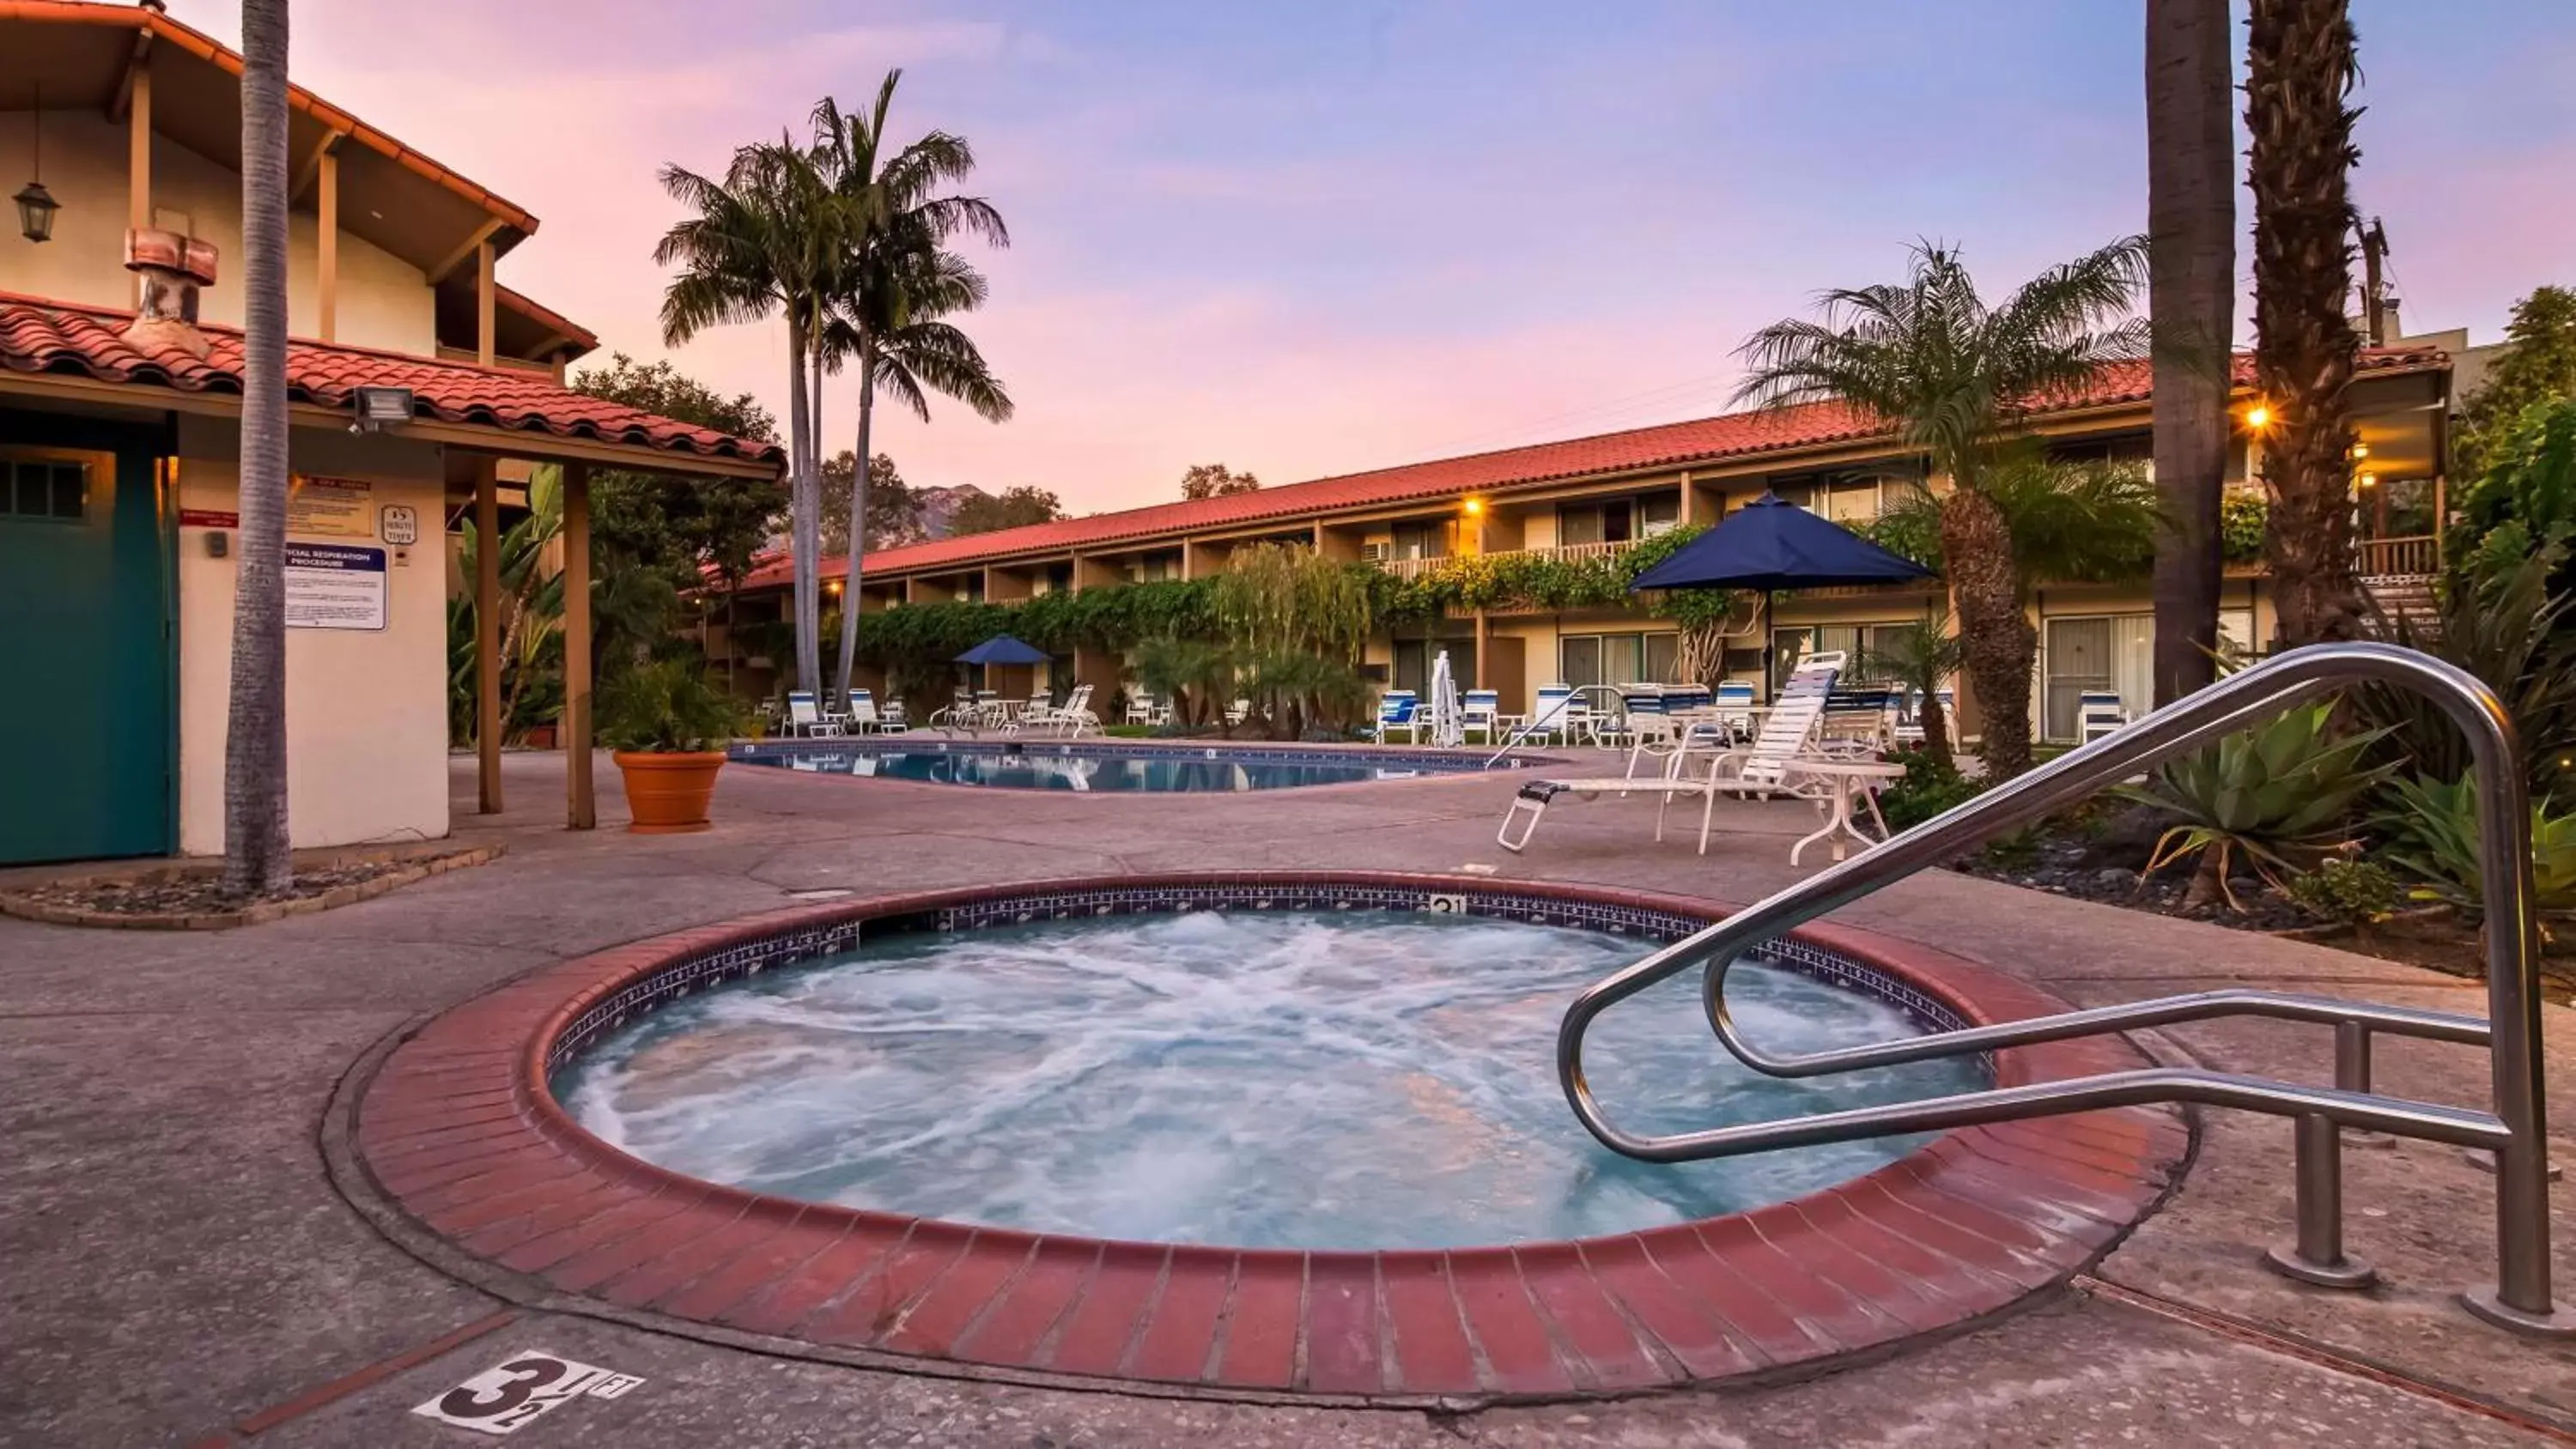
(256,913)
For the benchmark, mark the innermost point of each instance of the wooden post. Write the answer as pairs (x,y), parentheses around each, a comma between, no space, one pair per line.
(581,806)
(1484,646)
(138,165)
(326,237)
(487,634)
(483,302)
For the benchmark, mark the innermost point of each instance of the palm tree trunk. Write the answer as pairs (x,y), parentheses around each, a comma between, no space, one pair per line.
(1997,643)
(1936,728)
(2299,69)
(2191,301)
(804,517)
(858,514)
(256,857)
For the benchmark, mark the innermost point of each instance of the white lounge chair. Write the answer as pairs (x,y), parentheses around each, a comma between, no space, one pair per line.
(1068,719)
(1763,768)
(1480,711)
(2098,713)
(805,717)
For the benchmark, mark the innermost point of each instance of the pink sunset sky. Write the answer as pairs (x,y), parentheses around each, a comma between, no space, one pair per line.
(1320,238)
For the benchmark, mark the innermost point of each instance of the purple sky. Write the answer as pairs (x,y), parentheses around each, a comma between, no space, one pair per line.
(1317,238)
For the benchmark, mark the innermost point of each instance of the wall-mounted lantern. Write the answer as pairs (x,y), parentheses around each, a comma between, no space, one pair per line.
(36,205)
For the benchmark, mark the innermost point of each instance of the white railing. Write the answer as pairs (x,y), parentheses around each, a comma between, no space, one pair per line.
(1414,568)
(2381,558)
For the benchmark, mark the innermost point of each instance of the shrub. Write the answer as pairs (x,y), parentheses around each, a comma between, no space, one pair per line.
(2433,839)
(2353,892)
(2280,795)
(1930,786)
(669,706)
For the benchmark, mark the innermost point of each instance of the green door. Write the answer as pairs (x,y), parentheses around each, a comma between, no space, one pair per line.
(85,730)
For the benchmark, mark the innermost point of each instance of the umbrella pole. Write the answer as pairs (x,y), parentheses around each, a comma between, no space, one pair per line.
(1767,672)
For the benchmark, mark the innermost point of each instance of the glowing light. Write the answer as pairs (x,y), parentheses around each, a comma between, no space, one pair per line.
(2368,479)
(2360,451)
(2258,417)
(1473,506)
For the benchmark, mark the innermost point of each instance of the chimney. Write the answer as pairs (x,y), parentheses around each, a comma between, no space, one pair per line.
(2389,327)
(173,267)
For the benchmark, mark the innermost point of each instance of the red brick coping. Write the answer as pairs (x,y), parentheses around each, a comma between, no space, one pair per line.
(459,1130)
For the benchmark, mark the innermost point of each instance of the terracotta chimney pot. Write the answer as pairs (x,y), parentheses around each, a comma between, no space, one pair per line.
(173,267)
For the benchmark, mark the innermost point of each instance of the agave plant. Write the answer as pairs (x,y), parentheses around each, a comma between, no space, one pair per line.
(2433,838)
(2278,795)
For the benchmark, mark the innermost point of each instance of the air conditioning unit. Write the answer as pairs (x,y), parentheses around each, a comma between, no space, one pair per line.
(1376,552)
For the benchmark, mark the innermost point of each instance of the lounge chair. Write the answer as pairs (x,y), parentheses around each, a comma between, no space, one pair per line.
(1548,720)
(1237,712)
(1398,709)
(805,717)
(1069,719)
(1480,711)
(865,717)
(1763,768)
(2098,713)
(1734,705)
(1142,709)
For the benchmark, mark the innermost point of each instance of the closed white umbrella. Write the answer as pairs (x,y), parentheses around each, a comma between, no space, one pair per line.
(1448,721)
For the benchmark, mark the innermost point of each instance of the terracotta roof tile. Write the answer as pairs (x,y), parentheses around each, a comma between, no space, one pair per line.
(39,336)
(1707,440)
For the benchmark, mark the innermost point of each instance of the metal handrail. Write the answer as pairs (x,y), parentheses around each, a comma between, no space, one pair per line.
(2515,1127)
(1532,725)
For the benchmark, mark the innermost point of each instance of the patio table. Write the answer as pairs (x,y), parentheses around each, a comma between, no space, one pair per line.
(1845,780)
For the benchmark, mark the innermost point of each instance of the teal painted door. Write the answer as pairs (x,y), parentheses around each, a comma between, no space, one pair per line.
(86,738)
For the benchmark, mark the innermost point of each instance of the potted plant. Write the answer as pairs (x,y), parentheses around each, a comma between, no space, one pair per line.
(667,725)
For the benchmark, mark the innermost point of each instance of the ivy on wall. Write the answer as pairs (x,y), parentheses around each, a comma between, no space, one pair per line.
(1542,582)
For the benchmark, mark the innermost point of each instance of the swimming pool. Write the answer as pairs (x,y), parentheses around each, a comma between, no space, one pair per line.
(1260,1079)
(1117,768)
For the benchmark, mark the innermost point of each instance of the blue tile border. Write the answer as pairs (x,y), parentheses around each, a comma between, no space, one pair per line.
(801,944)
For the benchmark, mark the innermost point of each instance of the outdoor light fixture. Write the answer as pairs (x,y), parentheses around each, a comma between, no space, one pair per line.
(1473,506)
(2360,451)
(2368,479)
(36,205)
(380,408)
(2258,417)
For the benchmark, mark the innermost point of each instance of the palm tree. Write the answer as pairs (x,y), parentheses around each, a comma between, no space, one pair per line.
(1956,379)
(256,855)
(754,243)
(1922,656)
(2191,300)
(2299,72)
(891,283)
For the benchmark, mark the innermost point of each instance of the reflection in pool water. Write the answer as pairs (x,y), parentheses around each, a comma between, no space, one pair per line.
(1040,767)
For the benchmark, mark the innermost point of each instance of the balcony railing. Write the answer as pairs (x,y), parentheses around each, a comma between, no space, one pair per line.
(2380,558)
(1414,568)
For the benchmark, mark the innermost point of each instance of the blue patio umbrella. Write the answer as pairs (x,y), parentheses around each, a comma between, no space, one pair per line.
(1771,545)
(1003,649)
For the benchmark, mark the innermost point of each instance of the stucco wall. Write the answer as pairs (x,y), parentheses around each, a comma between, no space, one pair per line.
(366,711)
(384,302)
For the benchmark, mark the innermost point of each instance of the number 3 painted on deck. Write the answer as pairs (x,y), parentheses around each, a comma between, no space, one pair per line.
(532,1374)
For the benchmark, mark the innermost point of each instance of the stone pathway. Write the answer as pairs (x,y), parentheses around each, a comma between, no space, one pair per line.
(180,1271)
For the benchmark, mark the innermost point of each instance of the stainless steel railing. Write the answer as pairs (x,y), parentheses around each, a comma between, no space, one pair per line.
(2514,1128)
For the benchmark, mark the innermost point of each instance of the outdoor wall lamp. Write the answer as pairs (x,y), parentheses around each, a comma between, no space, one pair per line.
(1473,506)
(380,408)
(36,205)
(2258,417)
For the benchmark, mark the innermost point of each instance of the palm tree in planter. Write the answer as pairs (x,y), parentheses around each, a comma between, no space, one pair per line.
(1956,379)
(1922,656)
(668,725)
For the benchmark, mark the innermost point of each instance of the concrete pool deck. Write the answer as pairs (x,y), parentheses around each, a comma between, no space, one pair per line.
(180,1268)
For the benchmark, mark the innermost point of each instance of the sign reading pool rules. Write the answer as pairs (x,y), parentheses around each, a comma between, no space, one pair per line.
(334,586)
(508,1398)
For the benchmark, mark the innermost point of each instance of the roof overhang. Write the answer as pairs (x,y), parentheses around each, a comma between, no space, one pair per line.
(391,196)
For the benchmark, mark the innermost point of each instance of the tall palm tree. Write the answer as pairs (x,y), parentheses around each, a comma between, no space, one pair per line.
(892,282)
(2300,71)
(1956,380)
(256,855)
(754,243)
(2191,300)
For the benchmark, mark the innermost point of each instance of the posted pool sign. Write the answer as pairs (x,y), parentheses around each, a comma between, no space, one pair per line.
(334,586)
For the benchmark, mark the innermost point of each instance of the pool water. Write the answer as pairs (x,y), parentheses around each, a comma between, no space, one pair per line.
(1255,1079)
(1059,769)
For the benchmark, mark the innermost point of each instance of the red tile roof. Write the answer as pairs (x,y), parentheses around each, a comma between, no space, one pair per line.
(39,336)
(1731,435)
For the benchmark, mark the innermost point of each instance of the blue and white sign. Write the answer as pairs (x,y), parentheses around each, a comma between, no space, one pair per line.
(334,586)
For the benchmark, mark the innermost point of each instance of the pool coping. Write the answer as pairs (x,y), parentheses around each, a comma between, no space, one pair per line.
(470,1161)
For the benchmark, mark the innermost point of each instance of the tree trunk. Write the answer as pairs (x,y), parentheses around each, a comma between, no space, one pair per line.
(2191,301)
(858,514)
(2299,69)
(1936,729)
(1997,642)
(805,523)
(256,855)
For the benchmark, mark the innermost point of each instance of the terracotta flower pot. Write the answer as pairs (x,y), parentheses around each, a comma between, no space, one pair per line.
(668,794)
